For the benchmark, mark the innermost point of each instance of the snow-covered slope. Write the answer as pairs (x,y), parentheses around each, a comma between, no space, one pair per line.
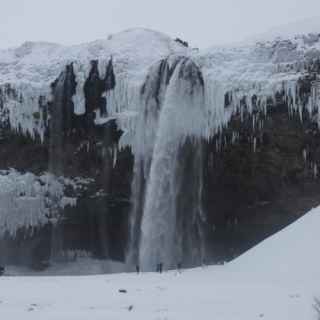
(252,287)
(291,254)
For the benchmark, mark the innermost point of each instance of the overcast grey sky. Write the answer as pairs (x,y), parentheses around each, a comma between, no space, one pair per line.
(201,22)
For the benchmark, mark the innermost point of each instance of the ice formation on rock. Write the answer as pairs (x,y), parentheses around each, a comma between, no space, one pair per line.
(28,201)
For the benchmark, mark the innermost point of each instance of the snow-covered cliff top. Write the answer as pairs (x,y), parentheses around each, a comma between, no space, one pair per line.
(39,63)
(262,66)
(135,50)
(248,69)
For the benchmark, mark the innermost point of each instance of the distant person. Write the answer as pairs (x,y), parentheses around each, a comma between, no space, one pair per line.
(160,267)
(2,270)
(137,269)
(179,266)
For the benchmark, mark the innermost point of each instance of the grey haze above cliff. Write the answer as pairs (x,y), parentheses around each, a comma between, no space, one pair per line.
(203,22)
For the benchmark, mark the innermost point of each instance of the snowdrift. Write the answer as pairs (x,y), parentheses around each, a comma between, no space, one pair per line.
(237,291)
(291,254)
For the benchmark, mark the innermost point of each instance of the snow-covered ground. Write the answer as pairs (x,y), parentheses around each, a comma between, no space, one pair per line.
(276,280)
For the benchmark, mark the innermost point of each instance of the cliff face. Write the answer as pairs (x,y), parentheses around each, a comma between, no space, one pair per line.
(171,155)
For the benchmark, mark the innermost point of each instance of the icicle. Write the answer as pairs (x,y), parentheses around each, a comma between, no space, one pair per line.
(260,125)
(254,144)
(22,109)
(304,154)
(300,112)
(233,139)
(115,154)
(81,71)
(315,170)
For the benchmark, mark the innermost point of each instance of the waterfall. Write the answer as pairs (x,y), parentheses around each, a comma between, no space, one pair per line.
(169,235)
(152,97)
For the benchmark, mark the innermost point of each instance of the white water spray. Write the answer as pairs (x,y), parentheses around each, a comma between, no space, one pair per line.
(182,115)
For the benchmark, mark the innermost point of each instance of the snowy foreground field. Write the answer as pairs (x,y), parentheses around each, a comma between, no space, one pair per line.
(276,280)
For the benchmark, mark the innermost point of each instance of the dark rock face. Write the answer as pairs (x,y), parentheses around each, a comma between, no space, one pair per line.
(262,180)
(94,87)
(62,119)
(62,108)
